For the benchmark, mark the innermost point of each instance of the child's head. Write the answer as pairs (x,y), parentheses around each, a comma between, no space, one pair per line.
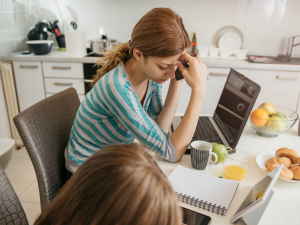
(120,184)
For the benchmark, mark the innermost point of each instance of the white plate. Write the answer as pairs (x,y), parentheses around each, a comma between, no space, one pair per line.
(230,40)
(263,157)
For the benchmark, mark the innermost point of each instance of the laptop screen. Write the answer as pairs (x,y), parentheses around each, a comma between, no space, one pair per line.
(235,105)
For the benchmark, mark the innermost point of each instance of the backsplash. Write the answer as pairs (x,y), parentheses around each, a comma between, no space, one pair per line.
(265,24)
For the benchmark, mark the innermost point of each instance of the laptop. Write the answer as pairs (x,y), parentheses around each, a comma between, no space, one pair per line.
(232,112)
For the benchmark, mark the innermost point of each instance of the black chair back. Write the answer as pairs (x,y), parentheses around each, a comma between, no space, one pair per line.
(45,130)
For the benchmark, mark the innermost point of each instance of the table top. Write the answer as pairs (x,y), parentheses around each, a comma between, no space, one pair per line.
(284,205)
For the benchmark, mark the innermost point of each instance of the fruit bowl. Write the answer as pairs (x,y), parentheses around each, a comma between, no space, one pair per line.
(276,124)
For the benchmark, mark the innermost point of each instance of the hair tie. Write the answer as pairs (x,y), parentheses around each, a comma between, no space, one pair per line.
(129,41)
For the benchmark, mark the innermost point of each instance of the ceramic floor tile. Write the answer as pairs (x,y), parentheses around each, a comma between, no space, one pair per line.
(32,211)
(21,174)
(21,153)
(31,194)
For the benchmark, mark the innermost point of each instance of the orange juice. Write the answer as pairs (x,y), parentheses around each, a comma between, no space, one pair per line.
(235,172)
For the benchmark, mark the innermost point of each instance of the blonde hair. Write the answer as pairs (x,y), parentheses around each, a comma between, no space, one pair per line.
(159,33)
(120,184)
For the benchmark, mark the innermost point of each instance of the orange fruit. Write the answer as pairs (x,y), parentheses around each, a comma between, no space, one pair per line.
(259,117)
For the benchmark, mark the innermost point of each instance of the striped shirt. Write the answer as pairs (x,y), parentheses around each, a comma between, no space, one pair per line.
(111,113)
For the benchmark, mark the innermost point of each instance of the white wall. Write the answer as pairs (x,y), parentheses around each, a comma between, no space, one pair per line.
(265,24)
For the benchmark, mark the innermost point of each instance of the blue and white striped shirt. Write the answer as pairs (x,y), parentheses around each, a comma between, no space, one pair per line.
(111,113)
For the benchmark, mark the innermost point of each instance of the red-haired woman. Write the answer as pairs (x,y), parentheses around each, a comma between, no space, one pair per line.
(125,101)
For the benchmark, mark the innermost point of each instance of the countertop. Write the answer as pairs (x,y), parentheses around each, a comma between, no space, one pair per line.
(283,207)
(61,56)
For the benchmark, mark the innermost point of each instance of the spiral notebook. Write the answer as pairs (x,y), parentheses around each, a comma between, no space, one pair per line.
(204,191)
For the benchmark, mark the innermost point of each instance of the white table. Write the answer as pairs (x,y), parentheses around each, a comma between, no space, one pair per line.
(284,207)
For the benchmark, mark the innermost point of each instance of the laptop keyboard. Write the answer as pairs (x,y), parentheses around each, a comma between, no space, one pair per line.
(205,131)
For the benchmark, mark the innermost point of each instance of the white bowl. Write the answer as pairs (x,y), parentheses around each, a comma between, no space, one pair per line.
(7,149)
(203,52)
(214,52)
(225,53)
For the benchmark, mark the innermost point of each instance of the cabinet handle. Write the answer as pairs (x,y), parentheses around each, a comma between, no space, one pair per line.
(218,74)
(282,77)
(61,67)
(63,84)
(88,81)
(28,67)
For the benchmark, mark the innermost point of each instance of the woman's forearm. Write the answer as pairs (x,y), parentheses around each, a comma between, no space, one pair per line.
(183,134)
(165,118)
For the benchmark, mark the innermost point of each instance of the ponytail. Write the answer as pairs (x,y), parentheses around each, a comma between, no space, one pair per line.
(120,53)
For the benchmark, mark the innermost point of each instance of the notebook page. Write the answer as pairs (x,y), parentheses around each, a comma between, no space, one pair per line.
(204,187)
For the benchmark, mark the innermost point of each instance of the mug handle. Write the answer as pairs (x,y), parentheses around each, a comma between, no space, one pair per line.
(216,158)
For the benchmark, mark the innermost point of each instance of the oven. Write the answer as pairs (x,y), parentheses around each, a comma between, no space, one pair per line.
(89,70)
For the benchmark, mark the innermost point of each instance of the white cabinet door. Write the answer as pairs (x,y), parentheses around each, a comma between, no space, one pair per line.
(277,87)
(214,87)
(29,83)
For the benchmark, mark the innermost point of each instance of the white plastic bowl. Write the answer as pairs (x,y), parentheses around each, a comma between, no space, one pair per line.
(7,149)
(203,52)
(214,52)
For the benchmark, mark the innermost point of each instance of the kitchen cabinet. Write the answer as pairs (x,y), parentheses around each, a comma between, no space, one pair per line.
(55,85)
(29,83)
(277,87)
(63,70)
(37,80)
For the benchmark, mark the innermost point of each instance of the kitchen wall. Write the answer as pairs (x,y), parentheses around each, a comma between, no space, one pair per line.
(265,24)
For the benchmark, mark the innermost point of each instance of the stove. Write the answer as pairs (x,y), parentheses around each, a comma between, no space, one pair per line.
(94,54)
(89,70)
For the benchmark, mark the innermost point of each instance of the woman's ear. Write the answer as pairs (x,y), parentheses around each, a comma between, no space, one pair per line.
(138,55)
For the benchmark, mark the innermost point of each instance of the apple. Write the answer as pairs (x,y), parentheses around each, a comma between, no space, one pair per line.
(268,107)
(220,150)
(275,124)
(263,128)
(281,116)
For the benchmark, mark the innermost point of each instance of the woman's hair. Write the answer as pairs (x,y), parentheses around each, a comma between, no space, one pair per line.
(159,33)
(120,184)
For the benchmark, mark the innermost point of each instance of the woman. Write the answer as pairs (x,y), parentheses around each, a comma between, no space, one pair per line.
(121,184)
(126,102)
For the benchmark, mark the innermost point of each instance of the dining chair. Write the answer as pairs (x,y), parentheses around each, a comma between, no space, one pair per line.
(11,210)
(45,130)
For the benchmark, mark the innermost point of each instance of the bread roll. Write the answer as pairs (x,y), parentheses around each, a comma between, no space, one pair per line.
(289,153)
(279,160)
(285,173)
(296,172)
(298,160)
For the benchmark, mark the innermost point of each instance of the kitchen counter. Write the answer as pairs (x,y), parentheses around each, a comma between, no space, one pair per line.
(59,56)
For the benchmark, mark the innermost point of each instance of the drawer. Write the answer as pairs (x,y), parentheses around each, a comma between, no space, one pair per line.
(81,97)
(63,70)
(55,85)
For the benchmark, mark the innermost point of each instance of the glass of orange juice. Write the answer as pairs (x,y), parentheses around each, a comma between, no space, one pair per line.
(236,165)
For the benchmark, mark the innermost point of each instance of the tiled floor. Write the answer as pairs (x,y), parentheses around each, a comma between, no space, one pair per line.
(22,176)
